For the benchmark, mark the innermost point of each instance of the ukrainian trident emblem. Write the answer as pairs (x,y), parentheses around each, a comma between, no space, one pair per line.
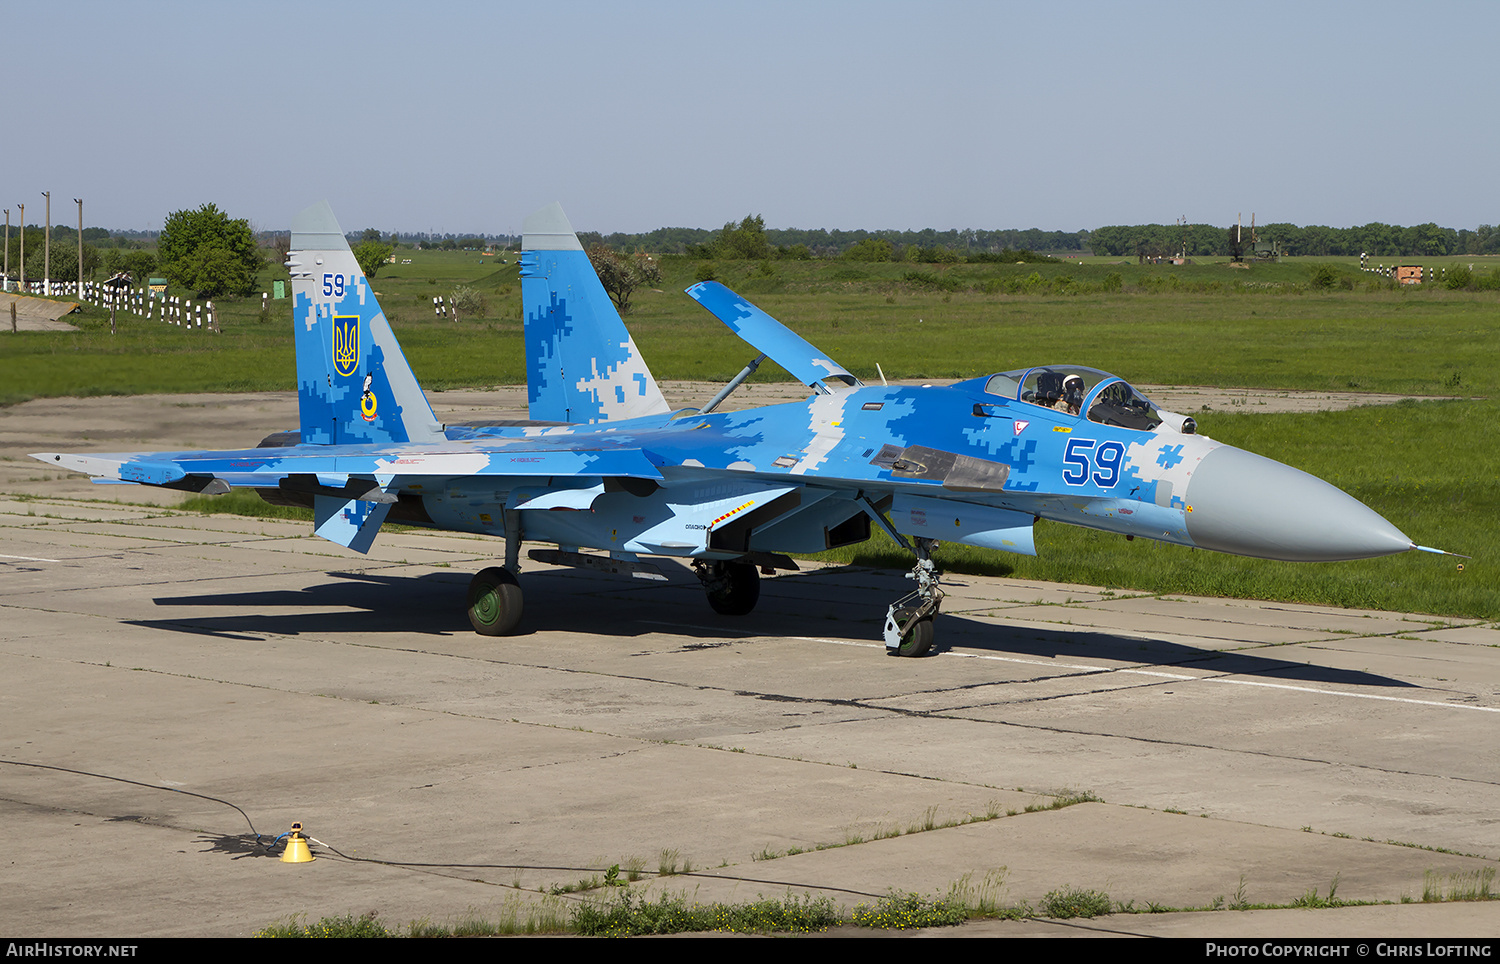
(346,344)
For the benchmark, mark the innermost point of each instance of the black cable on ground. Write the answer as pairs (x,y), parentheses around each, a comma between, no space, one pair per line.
(414,865)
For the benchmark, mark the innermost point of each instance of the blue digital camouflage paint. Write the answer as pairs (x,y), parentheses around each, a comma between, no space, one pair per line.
(353,384)
(581,363)
(605,464)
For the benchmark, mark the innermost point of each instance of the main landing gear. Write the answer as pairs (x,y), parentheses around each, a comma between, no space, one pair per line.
(494,602)
(733,588)
(908,623)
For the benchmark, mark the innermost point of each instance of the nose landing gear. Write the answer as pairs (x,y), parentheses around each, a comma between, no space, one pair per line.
(908,622)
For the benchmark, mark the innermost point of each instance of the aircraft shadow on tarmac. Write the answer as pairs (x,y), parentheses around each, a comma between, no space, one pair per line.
(841,603)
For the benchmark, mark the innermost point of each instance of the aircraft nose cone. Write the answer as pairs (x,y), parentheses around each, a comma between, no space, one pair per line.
(1253,506)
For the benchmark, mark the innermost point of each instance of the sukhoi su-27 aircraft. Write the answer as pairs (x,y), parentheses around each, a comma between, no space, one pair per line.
(603,463)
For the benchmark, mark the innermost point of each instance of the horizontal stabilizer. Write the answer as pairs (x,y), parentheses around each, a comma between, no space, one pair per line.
(764,333)
(101,467)
(111,469)
(352,524)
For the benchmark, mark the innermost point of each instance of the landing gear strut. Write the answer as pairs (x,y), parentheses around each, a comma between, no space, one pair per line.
(733,588)
(908,623)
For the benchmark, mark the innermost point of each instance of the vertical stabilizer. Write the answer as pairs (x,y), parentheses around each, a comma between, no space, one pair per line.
(353,384)
(581,363)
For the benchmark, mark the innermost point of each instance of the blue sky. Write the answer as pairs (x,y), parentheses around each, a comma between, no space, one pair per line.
(464,117)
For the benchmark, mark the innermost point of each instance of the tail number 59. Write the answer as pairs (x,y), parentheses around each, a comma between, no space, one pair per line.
(1087,458)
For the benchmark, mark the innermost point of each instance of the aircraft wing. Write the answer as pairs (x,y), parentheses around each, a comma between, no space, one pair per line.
(351,489)
(782,345)
(263,467)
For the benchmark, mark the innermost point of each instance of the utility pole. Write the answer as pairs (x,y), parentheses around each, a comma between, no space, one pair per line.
(5,281)
(23,246)
(79,202)
(47,250)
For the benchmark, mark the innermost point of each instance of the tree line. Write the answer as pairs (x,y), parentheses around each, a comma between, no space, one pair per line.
(1375,239)
(206,250)
(751,239)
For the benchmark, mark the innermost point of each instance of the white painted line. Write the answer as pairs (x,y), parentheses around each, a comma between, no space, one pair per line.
(1156,674)
(28,558)
(1220,679)
(1360,696)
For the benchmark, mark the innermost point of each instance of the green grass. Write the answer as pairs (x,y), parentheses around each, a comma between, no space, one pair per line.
(624,913)
(628,914)
(904,911)
(1387,341)
(928,823)
(1310,897)
(1197,325)
(245,502)
(1069,901)
(1470,886)
(1067,798)
(368,925)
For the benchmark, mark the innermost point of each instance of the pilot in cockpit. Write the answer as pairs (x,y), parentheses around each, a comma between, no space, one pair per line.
(1061,394)
(1072,395)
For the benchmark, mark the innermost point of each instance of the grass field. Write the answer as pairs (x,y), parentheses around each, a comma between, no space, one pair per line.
(1431,468)
(1260,327)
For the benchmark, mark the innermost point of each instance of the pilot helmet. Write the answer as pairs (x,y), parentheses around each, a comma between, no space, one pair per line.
(1073,385)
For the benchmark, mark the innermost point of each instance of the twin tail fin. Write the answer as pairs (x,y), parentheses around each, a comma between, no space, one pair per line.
(354,386)
(582,366)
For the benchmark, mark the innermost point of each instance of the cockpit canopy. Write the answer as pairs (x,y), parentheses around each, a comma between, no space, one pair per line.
(1076,390)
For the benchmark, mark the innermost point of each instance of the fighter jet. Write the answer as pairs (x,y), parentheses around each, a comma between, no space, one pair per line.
(603,463)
